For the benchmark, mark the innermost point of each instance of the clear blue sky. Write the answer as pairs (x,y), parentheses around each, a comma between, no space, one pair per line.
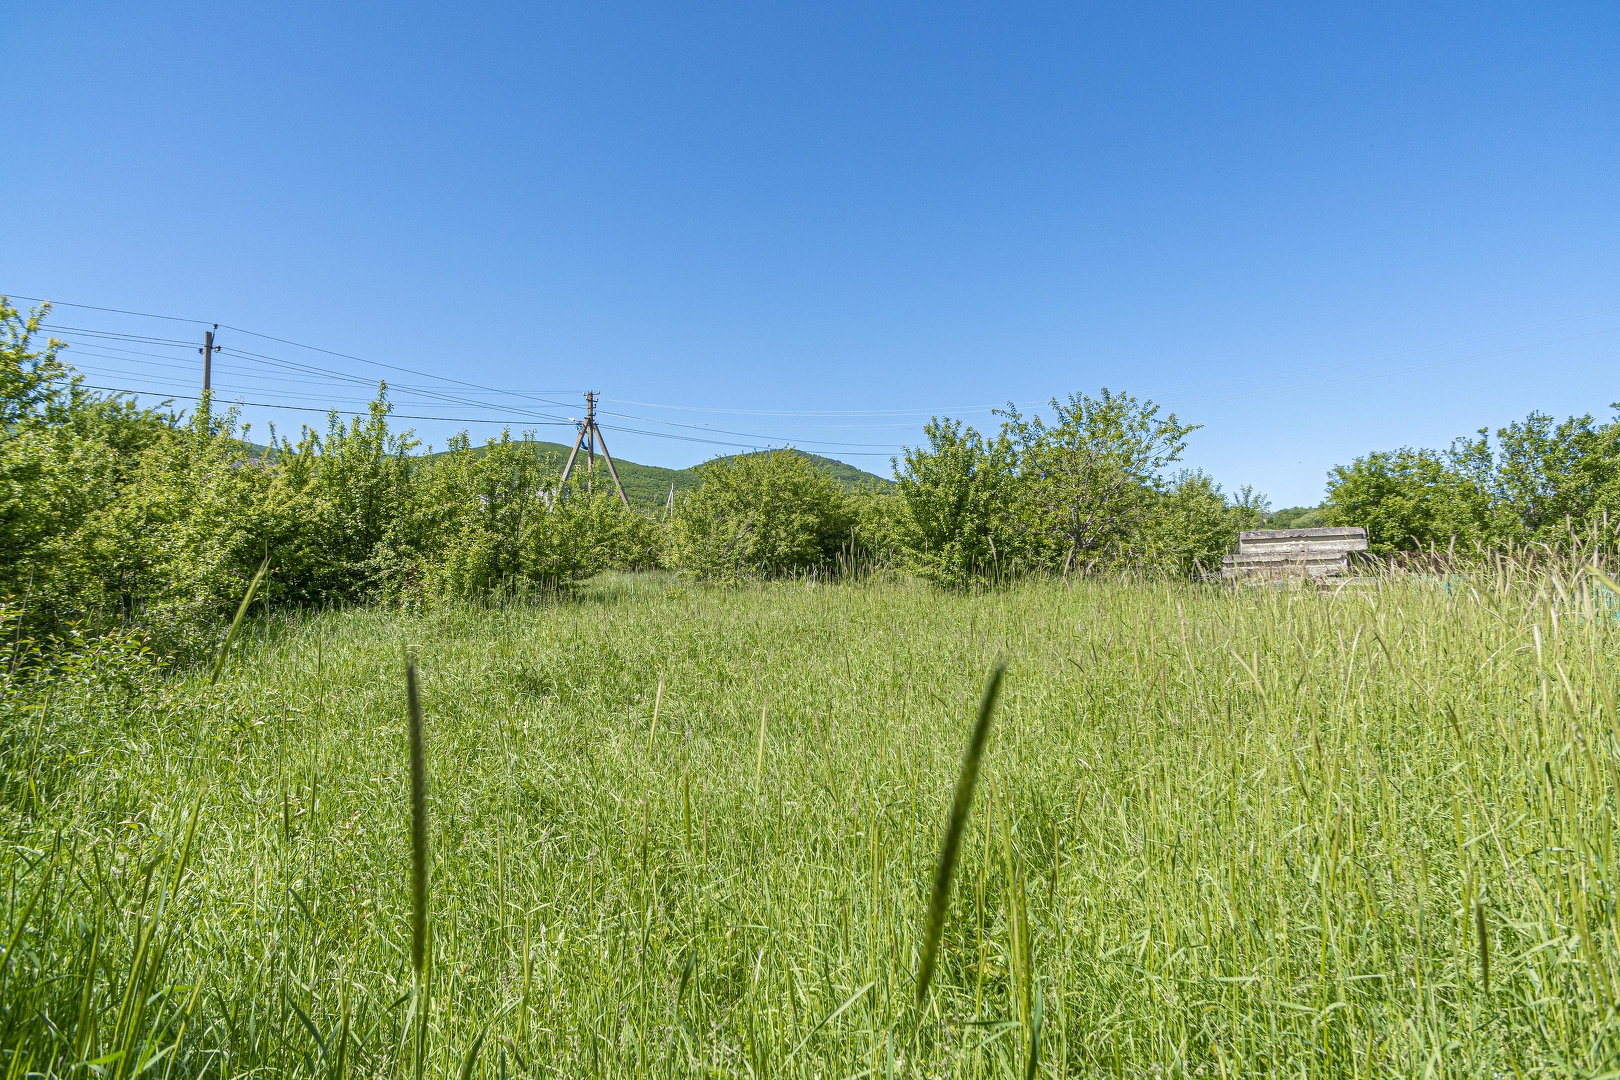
(1314,229)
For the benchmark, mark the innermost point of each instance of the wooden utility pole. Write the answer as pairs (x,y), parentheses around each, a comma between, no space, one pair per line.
(208,359)
(590,436)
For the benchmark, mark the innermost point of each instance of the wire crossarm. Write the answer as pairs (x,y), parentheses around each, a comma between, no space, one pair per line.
(590,436)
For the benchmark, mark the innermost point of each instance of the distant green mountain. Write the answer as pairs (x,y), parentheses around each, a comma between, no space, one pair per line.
(648,485)
(846,474)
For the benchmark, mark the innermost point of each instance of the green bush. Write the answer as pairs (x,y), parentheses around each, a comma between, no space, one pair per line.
(67,456)
(1194,523)
(117,517)
(764,515)
(1083,492)
(1406,499)
(486,519)
(1296,517)
(956,494)
(1088,485)
(1535,482)
(878,536)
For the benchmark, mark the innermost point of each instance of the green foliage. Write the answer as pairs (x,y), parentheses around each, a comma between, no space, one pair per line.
(879,515)
(1194,523)
(648,486)
(1406,499)
(1084,491)
(487,519)
(1296,517)
(65,456)
(957,500)
(1088,482)
(335,501)
(760,516)
(1540,479)
(1535,483)
(1239,833)
(111,516)
(848,476)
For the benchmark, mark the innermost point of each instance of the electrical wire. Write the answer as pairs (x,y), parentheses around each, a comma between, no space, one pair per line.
(266,337)
(507,421)
(723,431)
(456,400)
(1176,388)
(92,307)
(344,412)
(103,339)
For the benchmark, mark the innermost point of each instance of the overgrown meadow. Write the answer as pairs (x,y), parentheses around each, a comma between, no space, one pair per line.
(1273,831)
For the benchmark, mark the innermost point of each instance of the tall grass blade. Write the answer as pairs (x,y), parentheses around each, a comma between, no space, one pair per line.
(470,1062)
(230,635)
(759,761)
(17,931)
(1034,1038)
(658,704)
(419,866)
(960,806)
(829,1018)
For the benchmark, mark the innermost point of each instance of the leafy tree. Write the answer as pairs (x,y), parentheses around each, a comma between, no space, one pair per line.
(66,455)
(1089,482)
(956,504)
(33,381)
(1194,523)
(483,520)
(1084,490)
(1296,517)
(1534,481)
(879,515)
(1406,499)
(333,500)
(760,515)
(1540,478)
(113,515)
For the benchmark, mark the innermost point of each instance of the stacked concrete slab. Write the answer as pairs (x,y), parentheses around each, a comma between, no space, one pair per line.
(1270,554)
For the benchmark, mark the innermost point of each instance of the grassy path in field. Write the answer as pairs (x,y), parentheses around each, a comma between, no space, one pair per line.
(1215,834)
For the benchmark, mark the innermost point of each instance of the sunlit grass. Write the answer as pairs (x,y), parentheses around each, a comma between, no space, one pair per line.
(1215,833)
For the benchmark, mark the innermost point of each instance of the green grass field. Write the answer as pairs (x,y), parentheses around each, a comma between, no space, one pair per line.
(1216,834)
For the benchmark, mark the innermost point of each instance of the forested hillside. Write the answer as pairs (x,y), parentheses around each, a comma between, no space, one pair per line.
(648,486)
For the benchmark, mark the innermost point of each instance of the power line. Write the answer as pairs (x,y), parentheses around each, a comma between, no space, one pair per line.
(99,337)
(344,412)
(456,400)
(266,337)
(1190,386)
(103,339)
(505,421)
(92,307)
(1183,387)
(723,431)
(544,419)
(248,376)
(144,339)
(847,412)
